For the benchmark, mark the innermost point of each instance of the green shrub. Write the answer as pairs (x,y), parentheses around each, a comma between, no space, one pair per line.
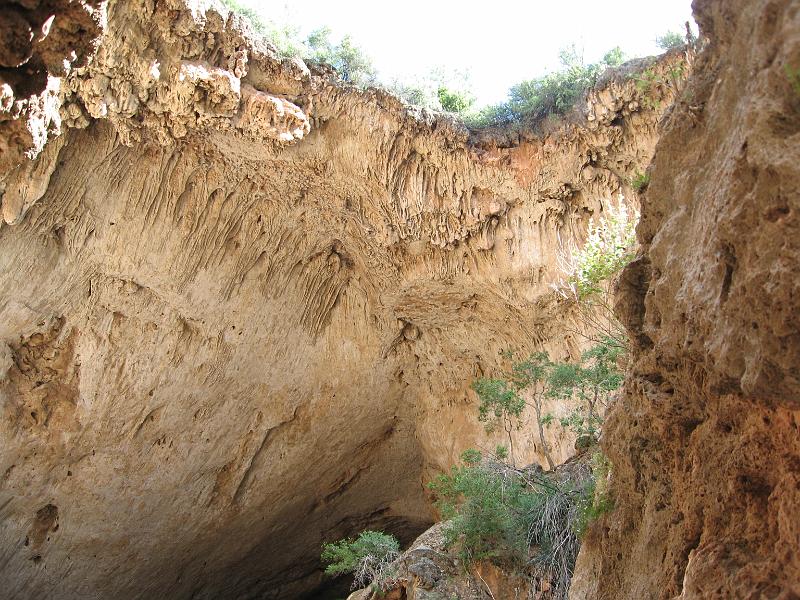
(531,375)
(592,382)
(670,40)
(614,57)
(516,518)
(454,101)
(471,456)
(640,181)
(645,81)
(483,516)
(438,90)
(793,75)
(367,558)
(555,93)
(588,273)
(415,93)
(594,499)
(609,247)
(501,452)
(500,405)
(349,60)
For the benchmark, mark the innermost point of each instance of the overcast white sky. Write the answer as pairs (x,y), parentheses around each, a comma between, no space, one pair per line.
(499,42)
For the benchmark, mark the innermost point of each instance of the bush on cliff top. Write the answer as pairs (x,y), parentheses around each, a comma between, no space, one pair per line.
(349,60)
(555,93)
(670,40)
(530,100)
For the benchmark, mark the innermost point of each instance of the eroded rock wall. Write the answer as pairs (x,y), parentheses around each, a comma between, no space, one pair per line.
(241,305)
(705,441)
(36,51)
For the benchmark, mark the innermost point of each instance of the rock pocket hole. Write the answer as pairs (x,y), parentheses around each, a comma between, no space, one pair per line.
(45,521)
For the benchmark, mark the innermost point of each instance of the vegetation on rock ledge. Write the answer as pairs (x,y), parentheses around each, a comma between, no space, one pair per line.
(529,101)
(367,558)
(522,519)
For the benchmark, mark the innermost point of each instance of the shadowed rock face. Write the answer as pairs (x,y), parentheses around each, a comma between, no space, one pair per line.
(36,50)
(705,441)
(240,306)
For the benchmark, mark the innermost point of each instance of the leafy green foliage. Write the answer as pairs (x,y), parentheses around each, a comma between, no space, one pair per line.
(648,80)
(500,404)
(670,40)
(483,512)
(499,401)
(591,382)
(534,99)
(794,77)
(349,60)
(501,452)
(645,81)
(346,57)
(555,93)
(439,90)
(367,558)
(609,247)
(415,93)
(614,57)
(454,101)
(471,456)
(517,518)
(640,181)
(531,374)
(594,499)
(531,370)
(588,273)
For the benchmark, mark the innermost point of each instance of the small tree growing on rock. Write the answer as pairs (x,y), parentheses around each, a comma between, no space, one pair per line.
(532,375)
(500,405)
(670,40)
(592,381)
(367,557)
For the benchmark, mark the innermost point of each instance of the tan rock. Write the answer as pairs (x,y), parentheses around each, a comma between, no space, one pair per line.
(704,442)
(245,303)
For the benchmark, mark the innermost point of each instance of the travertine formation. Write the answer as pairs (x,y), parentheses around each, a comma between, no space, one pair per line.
(36,51)
(705,440)
(241,303)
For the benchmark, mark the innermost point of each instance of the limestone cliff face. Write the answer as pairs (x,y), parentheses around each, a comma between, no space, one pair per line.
(241,305)
(705,441)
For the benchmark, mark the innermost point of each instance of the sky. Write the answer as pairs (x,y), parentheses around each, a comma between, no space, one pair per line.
(499,43)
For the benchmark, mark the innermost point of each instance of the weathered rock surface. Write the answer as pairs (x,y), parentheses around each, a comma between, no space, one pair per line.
(36,50)
(705,441)
(240,306)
